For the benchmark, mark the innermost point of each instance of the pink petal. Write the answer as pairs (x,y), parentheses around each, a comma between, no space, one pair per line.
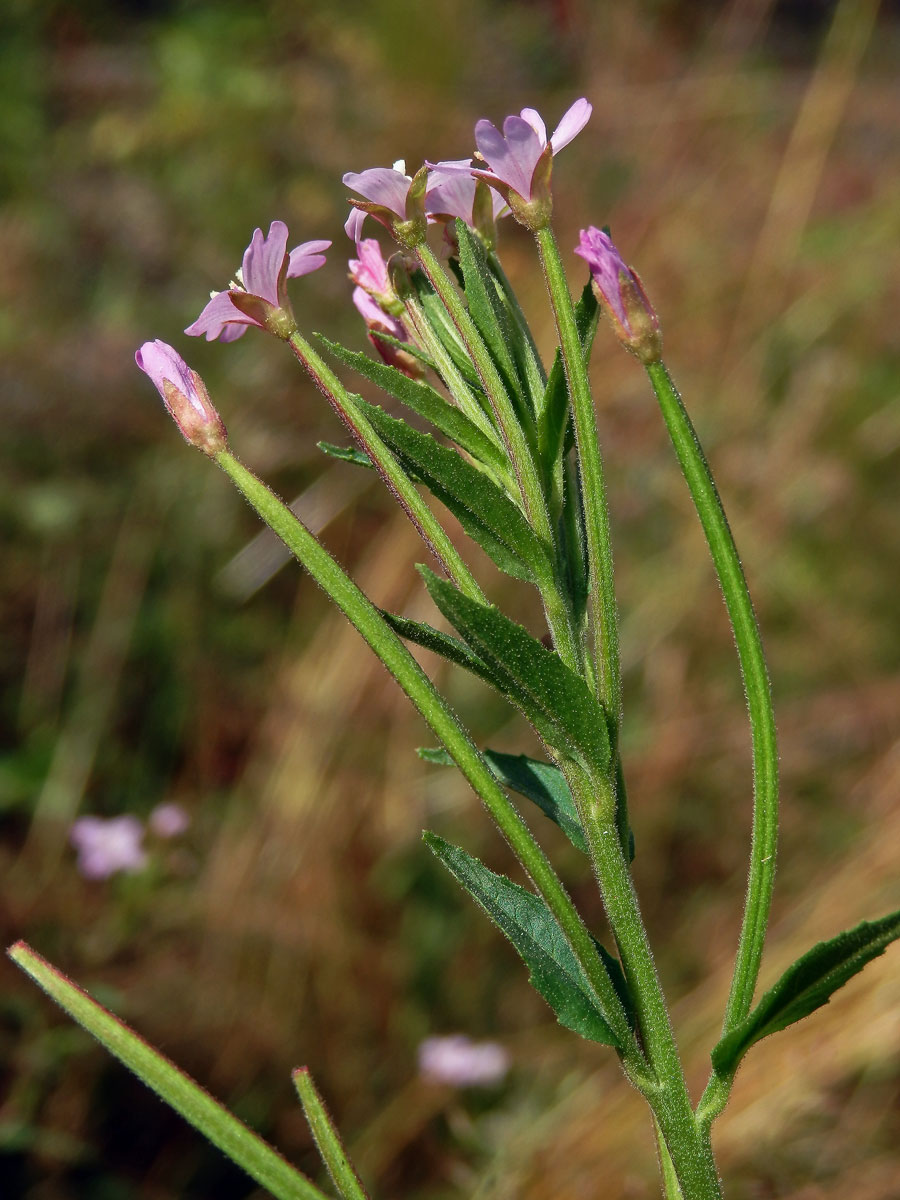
(381,185)
(354,223)
(160,362)
(512,155)
(572,123)
(263,260)
(220,319)
(306,257)
(536,121)
(370,271)
(451,194)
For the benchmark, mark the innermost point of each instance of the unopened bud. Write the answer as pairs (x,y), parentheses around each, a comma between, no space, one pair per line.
(184,395)
(619,289)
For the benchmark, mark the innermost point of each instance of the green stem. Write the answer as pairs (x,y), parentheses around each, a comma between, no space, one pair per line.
(531,493)
(447,369)
(398,482)
(603,618)
(759,696)
(520,456)
(690,1152)
(537,376)
(445,724)
(327,1138)
(671,1188)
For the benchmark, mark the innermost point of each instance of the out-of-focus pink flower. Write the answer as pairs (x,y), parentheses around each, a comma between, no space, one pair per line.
(184,395)
(370,271)
(168,820)
(379,321)
(460,1062)
(619,289)
(258,294)
(391,197)
(454,192)
(108,845)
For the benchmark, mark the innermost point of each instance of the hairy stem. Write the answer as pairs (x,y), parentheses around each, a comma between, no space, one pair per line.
(602,615)
(398,482)
(446,725)
(759,702)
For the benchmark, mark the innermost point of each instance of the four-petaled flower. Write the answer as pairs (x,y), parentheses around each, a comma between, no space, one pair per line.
(391,197)
(258,294)
(184,395)
(520,159)
(108,845)
(619,289)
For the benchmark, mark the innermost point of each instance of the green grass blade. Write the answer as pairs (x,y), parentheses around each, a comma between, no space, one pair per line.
(207,1115)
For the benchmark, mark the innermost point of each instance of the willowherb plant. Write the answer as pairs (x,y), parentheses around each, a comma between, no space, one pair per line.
(519,466)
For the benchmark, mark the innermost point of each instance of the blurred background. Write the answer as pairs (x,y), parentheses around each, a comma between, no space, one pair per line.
(745,155)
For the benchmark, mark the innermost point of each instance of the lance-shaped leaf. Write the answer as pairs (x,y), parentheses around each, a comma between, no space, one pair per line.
(806,985)
(425,635)
(559,703)
(540,782)
(213,1120)
(531,927)
(428,403)
(350,454)
(486,513)
(486,308)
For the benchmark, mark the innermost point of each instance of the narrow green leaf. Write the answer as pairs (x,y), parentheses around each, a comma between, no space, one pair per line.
(806,985)
(215,1122)
(487,515)
(532,929)
(406,347)
(485,306)
(540,782)
(350,454)
(422,634)
(558,702)
(447,335)
(327,1138)
(425,401)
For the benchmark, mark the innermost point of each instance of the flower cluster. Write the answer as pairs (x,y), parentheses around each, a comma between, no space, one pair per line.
(509,174)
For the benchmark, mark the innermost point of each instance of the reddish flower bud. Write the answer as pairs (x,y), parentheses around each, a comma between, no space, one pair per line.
(619,289)
(184,395)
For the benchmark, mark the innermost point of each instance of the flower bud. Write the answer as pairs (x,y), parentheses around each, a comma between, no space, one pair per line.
(184,395)
(619,290)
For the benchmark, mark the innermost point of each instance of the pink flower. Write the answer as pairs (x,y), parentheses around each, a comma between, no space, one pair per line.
(370,271)
(379,321)
(513,155)
(258,294)
(391,197)
(184,395)
(619,289)
(457,1061)
(106,846)
(168,820)
(453,192)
